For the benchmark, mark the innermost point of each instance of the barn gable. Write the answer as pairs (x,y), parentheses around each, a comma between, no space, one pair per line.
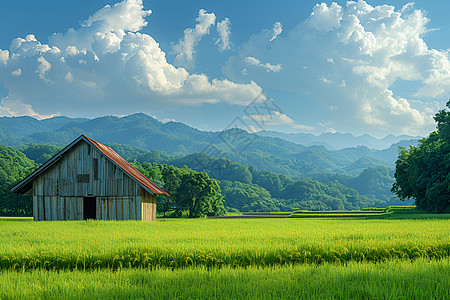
(87,172)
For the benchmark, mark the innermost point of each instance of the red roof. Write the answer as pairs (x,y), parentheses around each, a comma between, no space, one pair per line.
(26,184)
(127,167)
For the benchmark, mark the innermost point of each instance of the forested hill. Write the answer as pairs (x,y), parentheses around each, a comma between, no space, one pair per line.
(142,131)
(255,172)
(244,187)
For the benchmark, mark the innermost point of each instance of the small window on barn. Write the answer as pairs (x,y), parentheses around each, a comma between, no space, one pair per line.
(95,168)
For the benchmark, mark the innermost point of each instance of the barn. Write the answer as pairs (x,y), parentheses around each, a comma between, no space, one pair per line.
(88,180)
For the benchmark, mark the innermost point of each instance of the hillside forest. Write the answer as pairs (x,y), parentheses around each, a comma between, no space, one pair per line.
(221,184)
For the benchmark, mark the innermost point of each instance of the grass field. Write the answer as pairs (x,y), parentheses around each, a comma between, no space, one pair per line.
(397,279)
(223,258)
(216,243)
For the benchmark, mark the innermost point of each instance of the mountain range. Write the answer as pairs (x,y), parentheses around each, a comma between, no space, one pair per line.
(248,165)
(336,141)
(273,151)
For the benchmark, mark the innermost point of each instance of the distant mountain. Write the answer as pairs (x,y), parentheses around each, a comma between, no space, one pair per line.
(257,172)
(336,141)
(137,130)
(22,127)
(274,154)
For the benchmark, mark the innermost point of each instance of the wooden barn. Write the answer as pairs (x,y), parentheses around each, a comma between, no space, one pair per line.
(88,180)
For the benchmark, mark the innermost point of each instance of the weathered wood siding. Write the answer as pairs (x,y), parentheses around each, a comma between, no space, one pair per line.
(148,206)
(119,208)
(52,208)
(58,195)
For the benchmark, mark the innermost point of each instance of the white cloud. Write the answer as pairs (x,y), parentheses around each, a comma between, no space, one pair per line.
(43,67)
(30,46)
(13,108)
(325,80)
(406,7)
(4,56)
(126,15)
(223,28)
(268,67)
(72,50)
(274,119)
(17,72)
(69,77)
(110,66)
(326,18)
(277,30)
(185,48)
(360,51)
(251,129)
(167,120)
(327,126)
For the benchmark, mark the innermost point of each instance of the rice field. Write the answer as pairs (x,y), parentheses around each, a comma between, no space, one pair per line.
(288,258)
(393,279)
(216,243)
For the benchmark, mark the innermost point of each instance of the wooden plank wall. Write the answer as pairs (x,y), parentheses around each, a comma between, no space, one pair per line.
(58,196)
(148,206)
(56,208)
(118,208)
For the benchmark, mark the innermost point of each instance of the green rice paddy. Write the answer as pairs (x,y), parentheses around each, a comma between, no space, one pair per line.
(226,258)
(394,279)
(179,243)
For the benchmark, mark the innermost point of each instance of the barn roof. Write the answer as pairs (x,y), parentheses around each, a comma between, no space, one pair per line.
(115,158)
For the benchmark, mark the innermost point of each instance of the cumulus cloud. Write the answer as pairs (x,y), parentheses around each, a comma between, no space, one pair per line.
(277,30)
(30,46)
(43,67)
(167,120)
(268,67)
(4,56)
(353,57)
(108,65)
(185,48)
(224,31)
(15,107)
(69,77)
(324,17)
(274,119)
(17,72)
(126,15)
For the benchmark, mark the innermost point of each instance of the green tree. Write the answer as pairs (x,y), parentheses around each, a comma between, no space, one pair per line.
(423,172)
(14,166)
(39,153)
(248,197)
(199,195)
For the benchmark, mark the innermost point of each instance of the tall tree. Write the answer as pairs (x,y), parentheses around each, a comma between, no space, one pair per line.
(423,172)
(14,166)
(200,195)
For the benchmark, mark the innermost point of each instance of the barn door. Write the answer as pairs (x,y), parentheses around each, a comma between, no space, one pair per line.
(89,208)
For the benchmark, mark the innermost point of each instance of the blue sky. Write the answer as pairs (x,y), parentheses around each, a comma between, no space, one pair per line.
(376,67)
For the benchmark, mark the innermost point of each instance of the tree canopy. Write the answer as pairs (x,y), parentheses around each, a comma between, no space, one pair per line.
(194,193)
(14,166)
(423,172)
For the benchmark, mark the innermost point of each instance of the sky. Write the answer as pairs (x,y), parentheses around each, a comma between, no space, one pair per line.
(375,67)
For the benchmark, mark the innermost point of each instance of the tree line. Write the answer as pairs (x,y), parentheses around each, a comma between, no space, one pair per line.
(203,185)
(423,172)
